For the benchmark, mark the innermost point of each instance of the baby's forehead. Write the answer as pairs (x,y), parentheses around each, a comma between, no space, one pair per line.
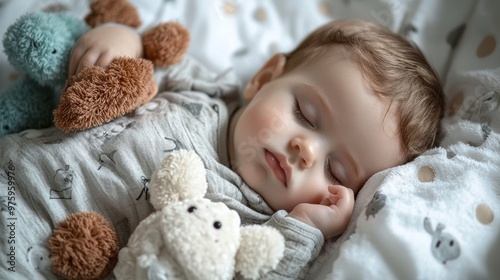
(330,64)
(326,59)
(322,54)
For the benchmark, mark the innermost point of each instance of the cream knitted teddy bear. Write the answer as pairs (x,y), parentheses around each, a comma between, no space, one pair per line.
(190,237)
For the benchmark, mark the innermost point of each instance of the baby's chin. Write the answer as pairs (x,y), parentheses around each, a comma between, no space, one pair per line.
(278,204)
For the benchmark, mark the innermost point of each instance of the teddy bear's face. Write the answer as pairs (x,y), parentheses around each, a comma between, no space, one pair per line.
(203,236)
(39,44)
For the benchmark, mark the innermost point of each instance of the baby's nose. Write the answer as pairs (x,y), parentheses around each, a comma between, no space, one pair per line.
(305,149)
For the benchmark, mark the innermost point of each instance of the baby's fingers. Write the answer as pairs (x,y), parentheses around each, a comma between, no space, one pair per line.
(74,59)
(88,59)
(341,197)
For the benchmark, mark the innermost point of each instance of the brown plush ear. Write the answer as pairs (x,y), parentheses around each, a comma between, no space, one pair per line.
(84,246)
(118,11)
(97,95)
(166,43)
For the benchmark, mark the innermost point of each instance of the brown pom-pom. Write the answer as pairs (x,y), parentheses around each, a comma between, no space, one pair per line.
(97,95)
(84,246)
(118,11)
(165,44)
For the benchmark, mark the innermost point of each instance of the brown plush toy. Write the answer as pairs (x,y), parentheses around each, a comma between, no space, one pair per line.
(84,246)
(98,95)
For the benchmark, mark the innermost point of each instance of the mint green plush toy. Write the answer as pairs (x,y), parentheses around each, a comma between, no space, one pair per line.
(37,46)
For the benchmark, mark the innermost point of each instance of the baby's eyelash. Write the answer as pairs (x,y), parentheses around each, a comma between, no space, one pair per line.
(329,174)
(297,113)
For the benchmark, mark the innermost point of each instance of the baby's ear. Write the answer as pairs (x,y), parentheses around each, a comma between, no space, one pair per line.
(273,68)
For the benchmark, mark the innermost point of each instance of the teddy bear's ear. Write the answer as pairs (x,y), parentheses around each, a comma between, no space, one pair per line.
(166,43)
(181,176)
(260,251)
(118,11)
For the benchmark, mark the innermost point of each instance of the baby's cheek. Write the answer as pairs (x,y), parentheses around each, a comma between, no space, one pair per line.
(252,174)
(267,124)
(316,190)
(321,195)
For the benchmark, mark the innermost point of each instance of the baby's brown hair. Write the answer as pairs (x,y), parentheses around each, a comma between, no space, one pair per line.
(395,69)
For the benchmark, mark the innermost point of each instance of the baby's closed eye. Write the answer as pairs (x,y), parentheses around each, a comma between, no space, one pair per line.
(302,116)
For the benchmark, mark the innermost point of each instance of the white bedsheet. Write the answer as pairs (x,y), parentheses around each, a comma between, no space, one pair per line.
(460,38)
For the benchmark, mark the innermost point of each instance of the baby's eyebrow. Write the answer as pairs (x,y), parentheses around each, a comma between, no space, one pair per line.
(315,93)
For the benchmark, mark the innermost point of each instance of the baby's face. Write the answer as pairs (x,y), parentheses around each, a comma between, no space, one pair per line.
(315,126)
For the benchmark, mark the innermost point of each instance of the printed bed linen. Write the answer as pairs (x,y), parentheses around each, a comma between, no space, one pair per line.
(437,217)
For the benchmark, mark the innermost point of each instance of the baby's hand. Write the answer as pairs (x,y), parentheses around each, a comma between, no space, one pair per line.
(332,215)
(101,44)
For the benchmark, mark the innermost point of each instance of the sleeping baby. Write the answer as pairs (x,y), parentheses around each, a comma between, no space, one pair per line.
(351,100)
